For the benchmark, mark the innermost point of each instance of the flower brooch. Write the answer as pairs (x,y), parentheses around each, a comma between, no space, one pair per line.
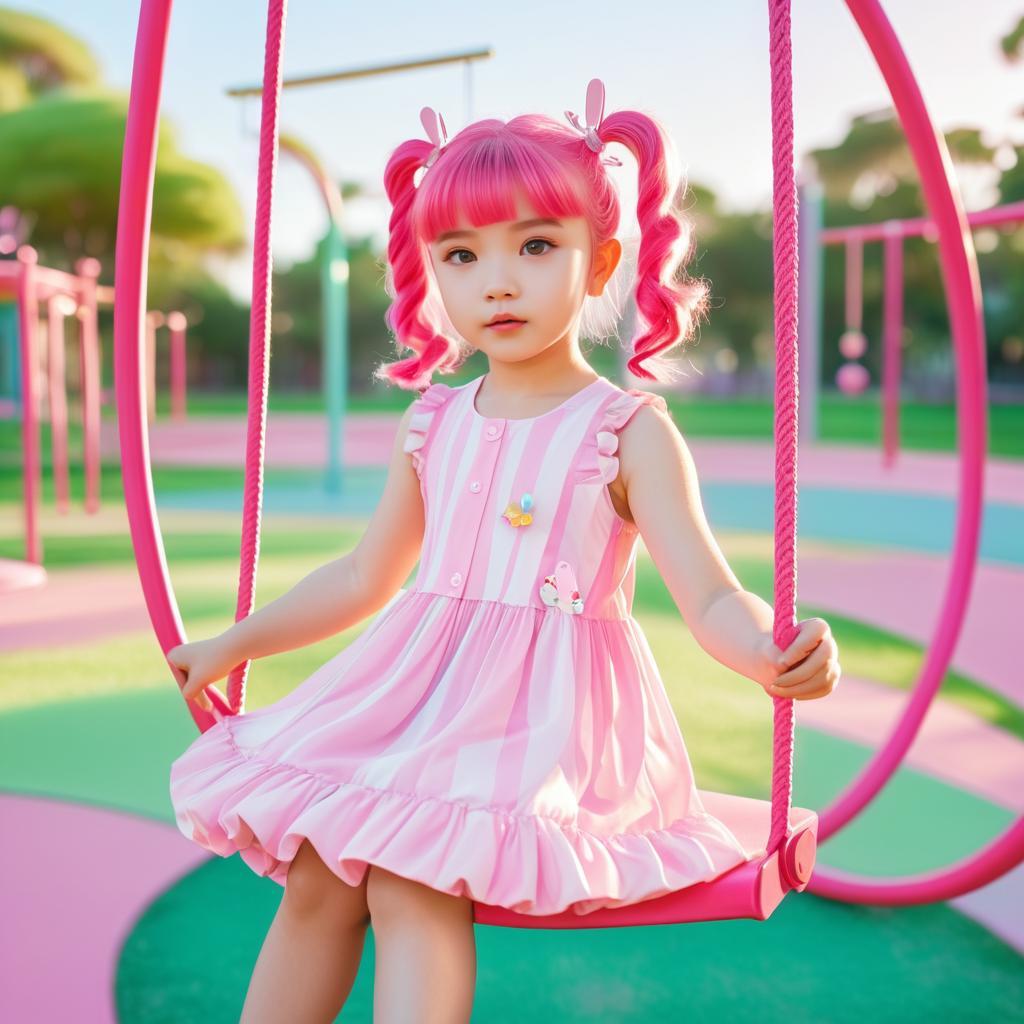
(559,590)
(518,513)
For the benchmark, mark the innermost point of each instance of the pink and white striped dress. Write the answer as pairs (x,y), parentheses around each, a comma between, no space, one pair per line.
(499,730)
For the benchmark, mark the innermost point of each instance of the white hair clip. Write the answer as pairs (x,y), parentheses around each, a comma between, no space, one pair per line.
(595,114)
(433,124)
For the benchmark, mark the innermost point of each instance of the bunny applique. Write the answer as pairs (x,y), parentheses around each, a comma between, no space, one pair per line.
(560,590)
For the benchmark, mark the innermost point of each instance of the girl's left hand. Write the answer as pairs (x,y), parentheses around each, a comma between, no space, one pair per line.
(809,668)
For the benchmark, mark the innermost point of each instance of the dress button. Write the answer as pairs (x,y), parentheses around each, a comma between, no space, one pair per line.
(475,486)
(456,579)
(492,430)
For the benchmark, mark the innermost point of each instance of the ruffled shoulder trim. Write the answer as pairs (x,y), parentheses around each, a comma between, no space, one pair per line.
(425,407)
(604,460)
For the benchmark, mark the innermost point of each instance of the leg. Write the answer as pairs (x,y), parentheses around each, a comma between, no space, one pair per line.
(426,952)
(311,954)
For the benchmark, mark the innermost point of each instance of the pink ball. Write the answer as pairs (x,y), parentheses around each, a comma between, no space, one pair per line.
(852,378)
(853,344)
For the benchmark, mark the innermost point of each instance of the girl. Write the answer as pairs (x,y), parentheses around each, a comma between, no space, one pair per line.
(499,732)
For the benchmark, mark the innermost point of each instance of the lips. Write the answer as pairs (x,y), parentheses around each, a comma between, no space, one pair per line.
(502,319)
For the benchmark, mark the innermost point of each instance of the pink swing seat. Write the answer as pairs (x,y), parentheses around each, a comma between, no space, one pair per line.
(750,890)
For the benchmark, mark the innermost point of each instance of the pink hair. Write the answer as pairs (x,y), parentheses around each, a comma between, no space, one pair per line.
(478,173)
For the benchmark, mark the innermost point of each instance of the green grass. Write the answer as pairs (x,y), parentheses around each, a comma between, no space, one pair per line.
(190,955)
(62,698)
(723,715)
(842,420)
(166,480)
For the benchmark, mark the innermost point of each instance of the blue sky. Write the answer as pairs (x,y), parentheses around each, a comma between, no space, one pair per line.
(701,68)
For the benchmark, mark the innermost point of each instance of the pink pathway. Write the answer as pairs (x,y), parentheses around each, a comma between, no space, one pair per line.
(899,591)
(300,440)
(76,606)
(61,930)
(952,745)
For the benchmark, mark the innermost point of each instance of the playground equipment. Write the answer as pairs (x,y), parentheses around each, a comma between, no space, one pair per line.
(891,234)
(176,323)
(785,859)
(334,303)
(334,267)
(63,295)
(34,348)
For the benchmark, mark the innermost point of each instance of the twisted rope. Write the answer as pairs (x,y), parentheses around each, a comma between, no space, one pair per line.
(785,260)
(259,337)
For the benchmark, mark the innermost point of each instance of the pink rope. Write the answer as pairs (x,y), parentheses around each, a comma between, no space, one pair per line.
(259,336)
(784,255)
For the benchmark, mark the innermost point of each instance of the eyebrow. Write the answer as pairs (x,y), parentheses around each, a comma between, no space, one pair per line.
(536,222)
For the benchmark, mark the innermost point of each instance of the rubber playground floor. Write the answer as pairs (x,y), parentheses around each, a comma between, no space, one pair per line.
(140,925)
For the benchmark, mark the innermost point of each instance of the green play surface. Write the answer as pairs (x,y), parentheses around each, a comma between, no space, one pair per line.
(100,722)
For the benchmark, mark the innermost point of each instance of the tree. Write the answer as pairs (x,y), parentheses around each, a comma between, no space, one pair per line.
(61,140)
(37,56)
(874,158)
(60,162)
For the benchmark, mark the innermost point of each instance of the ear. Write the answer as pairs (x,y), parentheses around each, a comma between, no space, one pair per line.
(606,259)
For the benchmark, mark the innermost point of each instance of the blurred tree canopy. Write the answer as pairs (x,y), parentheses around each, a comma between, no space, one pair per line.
(61,139)
(874,157)
(37,56)
(867,177)
(61,135)
(60,162)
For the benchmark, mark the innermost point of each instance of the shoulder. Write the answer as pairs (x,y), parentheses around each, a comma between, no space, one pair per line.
(624,415)
(424,408)
(632,411)
(418,421)
(649,435)
(649,415)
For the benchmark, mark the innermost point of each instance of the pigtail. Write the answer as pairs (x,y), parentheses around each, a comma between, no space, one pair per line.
(408,282)
(668,301)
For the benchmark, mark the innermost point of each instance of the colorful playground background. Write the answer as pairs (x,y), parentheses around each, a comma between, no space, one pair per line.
(111,914)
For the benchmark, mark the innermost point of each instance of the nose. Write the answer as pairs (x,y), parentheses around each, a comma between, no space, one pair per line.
(503,285)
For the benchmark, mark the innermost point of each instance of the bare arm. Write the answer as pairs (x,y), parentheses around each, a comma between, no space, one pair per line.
(733,625)
(348,589)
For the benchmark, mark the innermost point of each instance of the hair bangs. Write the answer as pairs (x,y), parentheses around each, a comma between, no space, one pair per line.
(477,183)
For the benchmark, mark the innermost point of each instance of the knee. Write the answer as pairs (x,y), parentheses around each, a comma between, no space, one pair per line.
(312,889)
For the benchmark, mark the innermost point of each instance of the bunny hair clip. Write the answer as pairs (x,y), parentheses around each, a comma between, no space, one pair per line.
(433,124)
(595,114)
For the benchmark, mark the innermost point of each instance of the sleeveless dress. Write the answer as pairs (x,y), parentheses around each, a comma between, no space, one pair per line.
(500,729)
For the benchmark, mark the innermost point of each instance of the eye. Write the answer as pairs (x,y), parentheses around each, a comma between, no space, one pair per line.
(448,257)
(539,241)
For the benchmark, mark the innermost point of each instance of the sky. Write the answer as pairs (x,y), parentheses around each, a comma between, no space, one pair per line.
(702,69)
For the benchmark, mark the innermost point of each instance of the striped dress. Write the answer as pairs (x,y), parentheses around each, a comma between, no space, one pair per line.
(499,730)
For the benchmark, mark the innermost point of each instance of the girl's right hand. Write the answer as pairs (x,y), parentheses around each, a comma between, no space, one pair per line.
(202,662)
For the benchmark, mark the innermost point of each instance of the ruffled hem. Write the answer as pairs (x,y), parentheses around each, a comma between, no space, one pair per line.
(228,801)
(424,409)
(600,456)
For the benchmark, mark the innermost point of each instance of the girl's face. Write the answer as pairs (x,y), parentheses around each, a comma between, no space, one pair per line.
(533,269)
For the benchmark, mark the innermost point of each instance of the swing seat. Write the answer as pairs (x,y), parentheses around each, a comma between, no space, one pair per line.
(750,890)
